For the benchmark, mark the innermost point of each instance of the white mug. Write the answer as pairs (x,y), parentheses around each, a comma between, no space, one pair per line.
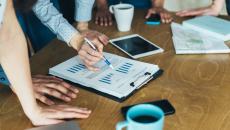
(123,15)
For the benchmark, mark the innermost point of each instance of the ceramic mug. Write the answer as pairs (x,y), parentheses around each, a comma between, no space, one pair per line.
(143,117)
(124,15)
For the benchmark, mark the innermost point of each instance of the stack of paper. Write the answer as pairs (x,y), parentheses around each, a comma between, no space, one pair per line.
(189,41)
(213,26)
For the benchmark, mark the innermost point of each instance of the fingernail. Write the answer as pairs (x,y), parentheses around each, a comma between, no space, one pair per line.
(73,95)
(76,90)
(68,99)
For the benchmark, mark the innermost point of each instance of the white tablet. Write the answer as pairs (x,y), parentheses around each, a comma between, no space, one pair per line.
(136,46)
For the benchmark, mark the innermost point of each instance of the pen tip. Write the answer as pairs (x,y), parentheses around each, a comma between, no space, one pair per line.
(111,67)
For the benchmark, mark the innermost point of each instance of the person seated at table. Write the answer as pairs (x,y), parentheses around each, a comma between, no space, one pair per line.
(214,9)
(66,32)
(104,17)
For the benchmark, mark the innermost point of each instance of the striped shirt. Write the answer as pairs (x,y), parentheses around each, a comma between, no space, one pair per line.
(54,20)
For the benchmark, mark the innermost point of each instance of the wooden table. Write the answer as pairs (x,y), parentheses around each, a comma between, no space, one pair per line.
(197,85)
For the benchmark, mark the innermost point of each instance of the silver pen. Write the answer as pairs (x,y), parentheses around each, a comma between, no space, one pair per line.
(94,48)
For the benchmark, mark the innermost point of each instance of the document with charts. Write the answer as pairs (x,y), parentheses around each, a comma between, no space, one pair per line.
(118,83)
(188,41)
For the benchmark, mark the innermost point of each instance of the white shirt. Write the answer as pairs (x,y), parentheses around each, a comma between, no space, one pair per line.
(2,10)
(178,5)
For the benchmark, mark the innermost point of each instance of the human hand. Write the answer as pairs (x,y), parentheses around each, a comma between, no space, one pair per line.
(210,10)
(103,16)
(52,86)
(88,55)
(57,114)
(164,14)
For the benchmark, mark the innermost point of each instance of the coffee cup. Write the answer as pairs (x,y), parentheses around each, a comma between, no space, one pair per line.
(124,15)
(143,117)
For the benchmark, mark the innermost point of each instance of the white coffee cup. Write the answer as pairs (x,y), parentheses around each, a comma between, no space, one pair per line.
(123,15)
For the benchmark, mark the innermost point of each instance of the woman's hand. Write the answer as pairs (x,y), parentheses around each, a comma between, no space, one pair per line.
(52,86)
(57,114)
(88,55)
(164,14)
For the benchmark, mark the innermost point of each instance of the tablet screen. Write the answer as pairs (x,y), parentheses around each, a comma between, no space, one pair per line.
(135,45)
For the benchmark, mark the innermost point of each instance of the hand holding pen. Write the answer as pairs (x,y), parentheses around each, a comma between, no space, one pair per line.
(106,60)
(88,55)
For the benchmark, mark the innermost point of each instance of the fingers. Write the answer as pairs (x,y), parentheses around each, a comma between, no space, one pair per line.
(46,77)
(166,18)
(89,57)
(150,12)
(57,113)
(101,21)
(55,93)
(73,109)
(97,19)
(46,122)
(87,52)
(66,112)
(49,84)
(103,17)
(104,20)
(44,99)
(104,39)
(64,89)
(110,20)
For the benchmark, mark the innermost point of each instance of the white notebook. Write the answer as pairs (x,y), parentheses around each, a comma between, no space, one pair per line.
(189,41)
(214,26)
(128,75)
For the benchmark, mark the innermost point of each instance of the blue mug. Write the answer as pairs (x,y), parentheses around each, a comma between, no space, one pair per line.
(143,117)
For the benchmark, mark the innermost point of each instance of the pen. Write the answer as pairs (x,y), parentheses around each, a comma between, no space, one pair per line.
(93,47)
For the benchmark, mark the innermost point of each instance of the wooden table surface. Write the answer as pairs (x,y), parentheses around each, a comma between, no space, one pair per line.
(197,85)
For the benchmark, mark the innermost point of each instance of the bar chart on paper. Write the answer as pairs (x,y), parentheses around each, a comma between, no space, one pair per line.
(125,68)
(107,79)
(76,68)
(114,82)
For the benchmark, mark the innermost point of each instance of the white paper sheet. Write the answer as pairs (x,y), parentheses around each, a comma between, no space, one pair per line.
(114,82)
(188,41)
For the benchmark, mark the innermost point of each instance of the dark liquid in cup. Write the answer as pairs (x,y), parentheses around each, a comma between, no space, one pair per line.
(145,119)
(124,8)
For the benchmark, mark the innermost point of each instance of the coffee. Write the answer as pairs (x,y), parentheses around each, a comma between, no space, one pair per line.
(124,8)
(145,119)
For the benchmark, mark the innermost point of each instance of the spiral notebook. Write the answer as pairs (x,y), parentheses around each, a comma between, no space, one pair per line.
(118,83)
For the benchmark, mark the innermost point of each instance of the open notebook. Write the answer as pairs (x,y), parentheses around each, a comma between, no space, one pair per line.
(118,84)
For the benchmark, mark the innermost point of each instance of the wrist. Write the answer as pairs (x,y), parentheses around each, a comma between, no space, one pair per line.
(77,41)
(102,5)
(216,7)
(82,26)
(158,3)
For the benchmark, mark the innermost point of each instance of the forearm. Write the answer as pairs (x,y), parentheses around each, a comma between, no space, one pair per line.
(14,60)
(54,20)
(218,4)
(83,10)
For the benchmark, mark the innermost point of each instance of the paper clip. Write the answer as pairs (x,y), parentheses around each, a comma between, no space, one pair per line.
(134,83)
